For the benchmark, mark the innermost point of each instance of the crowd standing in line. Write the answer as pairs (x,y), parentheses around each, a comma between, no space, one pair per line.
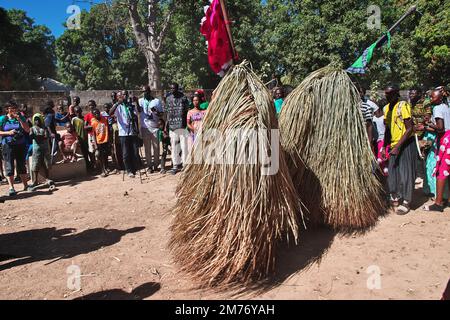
(409,139)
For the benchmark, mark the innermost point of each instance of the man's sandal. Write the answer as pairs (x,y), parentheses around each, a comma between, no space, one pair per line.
(402,210)
(434,208)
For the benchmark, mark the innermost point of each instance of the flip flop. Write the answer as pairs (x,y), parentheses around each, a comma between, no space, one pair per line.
(402,210)
(434,208)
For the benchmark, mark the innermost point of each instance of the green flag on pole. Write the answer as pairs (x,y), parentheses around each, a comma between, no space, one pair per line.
(361,64)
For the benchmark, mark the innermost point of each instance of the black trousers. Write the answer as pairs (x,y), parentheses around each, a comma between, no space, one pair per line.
(13,153)
(130,151)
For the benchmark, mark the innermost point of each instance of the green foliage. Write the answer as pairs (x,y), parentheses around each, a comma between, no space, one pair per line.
(102,54)
(26,50)
(184,56)
(291,38)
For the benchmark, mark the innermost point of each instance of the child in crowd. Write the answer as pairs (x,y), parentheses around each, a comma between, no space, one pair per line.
(378,122)
(41,152)
(61,116)
(69,144)
(164,138)
(111,121)
(80,129)
(101,140)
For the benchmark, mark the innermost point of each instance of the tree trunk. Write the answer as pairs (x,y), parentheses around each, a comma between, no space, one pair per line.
(153,69)
(148,40)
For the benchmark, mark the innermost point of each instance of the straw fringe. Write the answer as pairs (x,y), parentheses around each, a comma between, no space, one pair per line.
(229,218)
(330,159)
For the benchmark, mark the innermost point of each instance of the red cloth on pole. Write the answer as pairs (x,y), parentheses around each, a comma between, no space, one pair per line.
(220,54)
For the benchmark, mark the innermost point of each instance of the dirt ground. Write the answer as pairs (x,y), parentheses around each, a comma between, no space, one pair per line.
(115,234)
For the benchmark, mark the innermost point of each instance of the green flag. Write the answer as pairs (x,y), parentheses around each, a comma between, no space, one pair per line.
(361,64)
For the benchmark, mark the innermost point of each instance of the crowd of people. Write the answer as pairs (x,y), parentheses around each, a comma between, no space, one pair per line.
(411,141)
(109,139)
(410,138)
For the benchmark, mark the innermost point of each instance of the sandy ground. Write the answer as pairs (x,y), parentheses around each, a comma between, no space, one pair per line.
(115,234)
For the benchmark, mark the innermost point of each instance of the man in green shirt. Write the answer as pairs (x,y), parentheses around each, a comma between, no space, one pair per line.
(279,99)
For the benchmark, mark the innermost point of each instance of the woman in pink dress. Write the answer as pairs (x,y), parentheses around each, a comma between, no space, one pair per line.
(195,119)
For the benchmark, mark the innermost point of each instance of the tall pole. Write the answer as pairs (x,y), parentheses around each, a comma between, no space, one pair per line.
(227,24)
(384,38)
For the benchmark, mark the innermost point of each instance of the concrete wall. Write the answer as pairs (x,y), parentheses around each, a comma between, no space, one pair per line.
(35,100)
(104,96)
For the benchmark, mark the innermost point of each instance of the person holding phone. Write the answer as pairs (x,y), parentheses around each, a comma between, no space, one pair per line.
(13,128)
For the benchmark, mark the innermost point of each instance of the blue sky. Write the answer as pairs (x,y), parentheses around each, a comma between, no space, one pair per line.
(51,13)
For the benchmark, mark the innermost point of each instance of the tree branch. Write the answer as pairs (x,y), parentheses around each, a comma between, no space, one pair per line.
(140,33)
(151,24)
(165,26)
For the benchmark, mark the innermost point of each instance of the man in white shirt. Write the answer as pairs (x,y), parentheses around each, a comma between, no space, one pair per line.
(151,111)
(127,121)
(368,109)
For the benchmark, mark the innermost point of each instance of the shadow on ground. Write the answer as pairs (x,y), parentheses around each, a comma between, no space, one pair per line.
(22,195)
(419,199)
(43,190)
(140,293)
(30,246)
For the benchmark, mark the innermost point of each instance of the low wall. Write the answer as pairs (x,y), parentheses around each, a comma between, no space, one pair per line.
(35,100)
(104,96)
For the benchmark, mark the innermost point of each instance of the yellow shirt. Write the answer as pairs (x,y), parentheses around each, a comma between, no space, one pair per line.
(394,121)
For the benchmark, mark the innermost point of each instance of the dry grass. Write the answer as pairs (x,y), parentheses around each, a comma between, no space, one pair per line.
(229,217)
(323,132)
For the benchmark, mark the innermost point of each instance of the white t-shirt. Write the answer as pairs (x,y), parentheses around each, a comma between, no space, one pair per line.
(372,105)
(124,122)
(442,111)
(381,128)
(150,119)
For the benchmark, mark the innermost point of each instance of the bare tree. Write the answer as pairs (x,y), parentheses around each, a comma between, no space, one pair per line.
(148,37)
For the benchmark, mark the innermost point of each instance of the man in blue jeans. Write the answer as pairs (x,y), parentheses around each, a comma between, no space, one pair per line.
(126,114)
